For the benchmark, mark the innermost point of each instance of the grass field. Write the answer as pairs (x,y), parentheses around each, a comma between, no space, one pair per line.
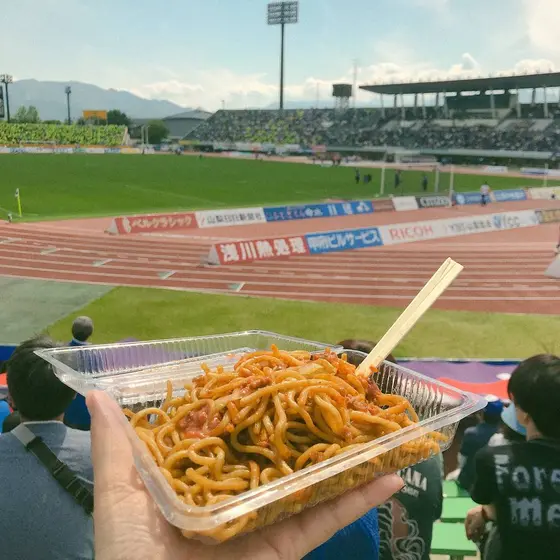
(64,186)
(148,314)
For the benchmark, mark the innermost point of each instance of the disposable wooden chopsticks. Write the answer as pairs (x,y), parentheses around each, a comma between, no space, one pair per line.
(439,282)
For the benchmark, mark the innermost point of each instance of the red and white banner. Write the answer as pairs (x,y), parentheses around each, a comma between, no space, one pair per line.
(233,217)
(152,222)
(235,252)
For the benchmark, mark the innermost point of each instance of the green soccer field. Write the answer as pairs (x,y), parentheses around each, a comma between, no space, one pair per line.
(64,186)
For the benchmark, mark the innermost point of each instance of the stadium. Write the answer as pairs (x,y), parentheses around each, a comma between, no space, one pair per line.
(280,220)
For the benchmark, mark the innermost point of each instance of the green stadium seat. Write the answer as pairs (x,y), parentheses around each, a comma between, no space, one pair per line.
(449,539)
(455,509)
(452,490)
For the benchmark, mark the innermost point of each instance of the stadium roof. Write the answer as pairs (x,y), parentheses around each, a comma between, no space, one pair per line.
(197,115)
(551,79)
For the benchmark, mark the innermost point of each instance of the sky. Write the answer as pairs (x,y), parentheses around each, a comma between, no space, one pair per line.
(209,53)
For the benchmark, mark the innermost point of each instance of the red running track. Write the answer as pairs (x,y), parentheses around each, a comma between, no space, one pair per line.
(503,270)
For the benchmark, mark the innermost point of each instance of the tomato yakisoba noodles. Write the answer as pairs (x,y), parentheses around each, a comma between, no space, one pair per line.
(273,414)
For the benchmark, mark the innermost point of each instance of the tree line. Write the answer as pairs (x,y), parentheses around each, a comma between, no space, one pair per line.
(157,130)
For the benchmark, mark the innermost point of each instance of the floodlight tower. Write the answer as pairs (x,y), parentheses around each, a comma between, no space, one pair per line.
(68,92)
(6,79)
(282,14)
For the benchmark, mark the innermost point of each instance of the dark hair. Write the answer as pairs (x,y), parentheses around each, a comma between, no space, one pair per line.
(509,434)
(534,387)
(82,328)
(36,391)
(10,422)
(365,346)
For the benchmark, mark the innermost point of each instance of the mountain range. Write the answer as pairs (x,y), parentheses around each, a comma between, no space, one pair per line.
(50,100)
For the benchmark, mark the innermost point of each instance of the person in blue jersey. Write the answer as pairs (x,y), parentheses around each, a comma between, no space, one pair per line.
(77,415)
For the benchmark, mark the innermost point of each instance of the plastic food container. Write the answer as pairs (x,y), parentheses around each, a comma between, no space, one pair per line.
(439,407)
(121,365)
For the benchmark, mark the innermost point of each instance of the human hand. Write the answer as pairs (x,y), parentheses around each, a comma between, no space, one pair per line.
(129,525)
(475,524)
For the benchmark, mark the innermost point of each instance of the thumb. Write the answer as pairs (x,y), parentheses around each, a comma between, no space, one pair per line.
(111,451)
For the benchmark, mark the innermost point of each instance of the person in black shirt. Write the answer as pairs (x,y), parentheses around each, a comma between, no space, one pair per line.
(406,522)
(518,485)
(425,183)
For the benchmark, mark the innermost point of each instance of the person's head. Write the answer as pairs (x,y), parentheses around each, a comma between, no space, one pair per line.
(82,329)
(534,388)
(34,388)
(492,412)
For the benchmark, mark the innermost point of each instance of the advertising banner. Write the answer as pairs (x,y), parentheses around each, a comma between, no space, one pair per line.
(548,216)
(491,222)
(95,150)
(433,201)
(152,222)
(112,150)
(509,195)
(304,212)
(495,169)
(233,217)
(344,240)
(533,171)
(544,193)
(256,250)
(403,203)
(468,198)
(414,231)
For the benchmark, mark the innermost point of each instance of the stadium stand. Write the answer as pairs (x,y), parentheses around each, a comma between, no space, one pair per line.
(467,114)
(14,134)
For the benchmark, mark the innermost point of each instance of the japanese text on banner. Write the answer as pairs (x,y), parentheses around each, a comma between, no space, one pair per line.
(154,222)
(344,240)
(235,217)
(261,249)
(304,212)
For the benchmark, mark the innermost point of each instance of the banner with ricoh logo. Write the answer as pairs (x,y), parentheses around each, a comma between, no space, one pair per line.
(433,201)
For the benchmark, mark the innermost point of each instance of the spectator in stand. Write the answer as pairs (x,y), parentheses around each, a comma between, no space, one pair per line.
(40,517)
(77,415)
(518,484)
(510,430)
(475,439)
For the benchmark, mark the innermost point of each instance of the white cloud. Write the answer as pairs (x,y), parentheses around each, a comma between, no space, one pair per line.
(543,21)
(210,88)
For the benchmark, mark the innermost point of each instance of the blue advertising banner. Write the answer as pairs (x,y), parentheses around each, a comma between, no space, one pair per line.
(112,150)
(344,240)
(468,198)
(304,212)
(509,195)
